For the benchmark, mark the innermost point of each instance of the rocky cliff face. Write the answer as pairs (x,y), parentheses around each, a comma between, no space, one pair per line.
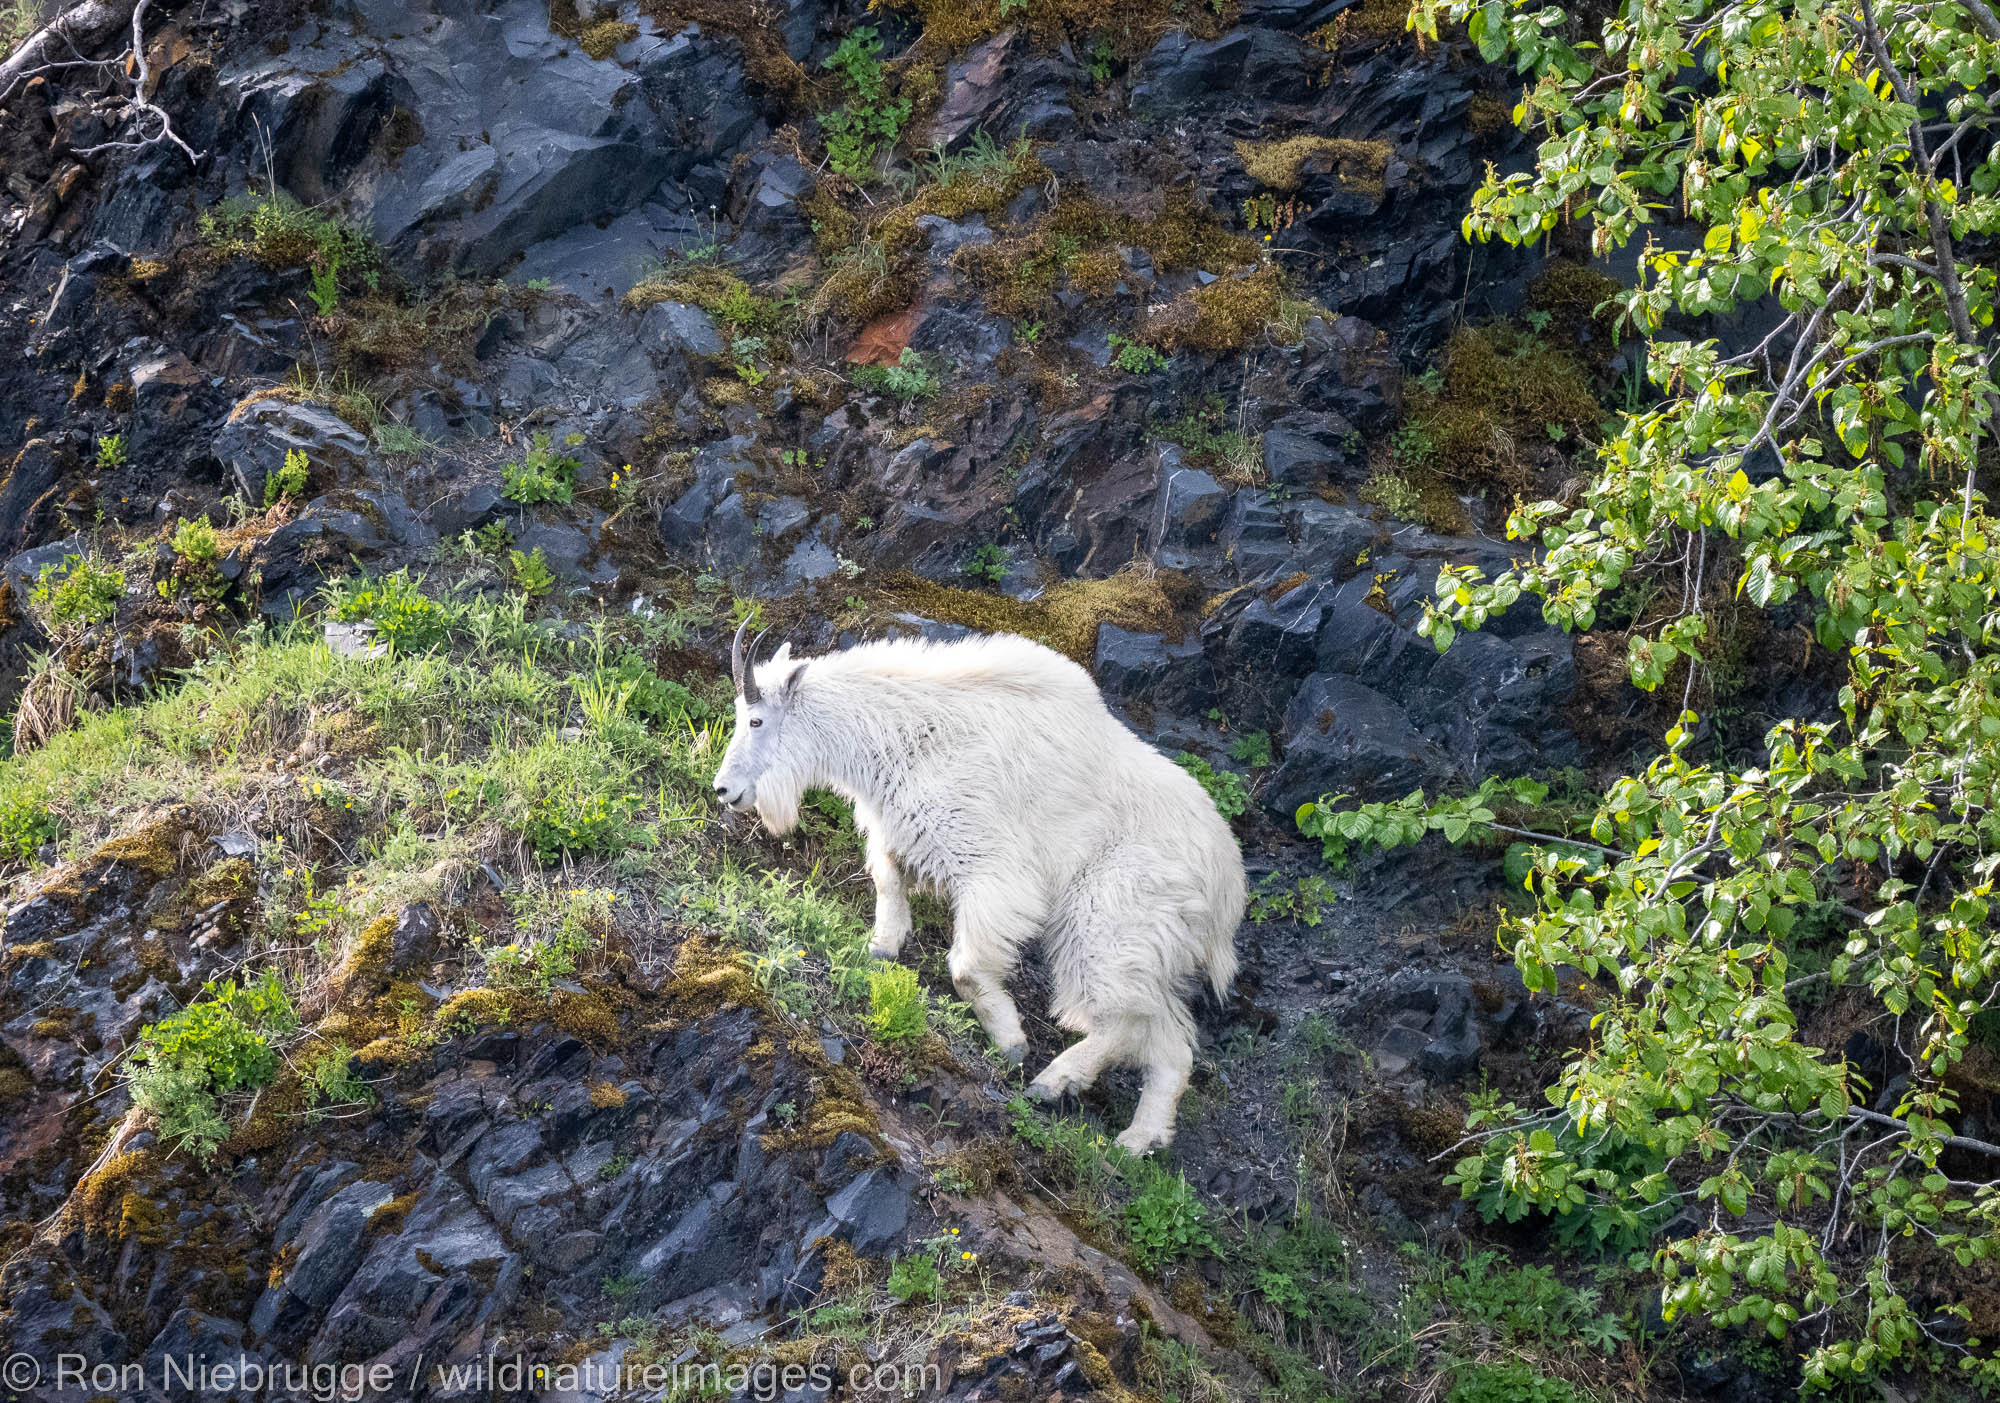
(1125,350)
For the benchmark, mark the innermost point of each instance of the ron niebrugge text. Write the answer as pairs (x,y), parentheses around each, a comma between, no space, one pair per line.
(240,1376)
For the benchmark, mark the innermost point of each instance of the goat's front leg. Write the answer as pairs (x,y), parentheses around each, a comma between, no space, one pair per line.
(986,941)
(892,900)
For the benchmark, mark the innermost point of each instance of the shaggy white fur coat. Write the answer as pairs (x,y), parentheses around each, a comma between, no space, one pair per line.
(991,770)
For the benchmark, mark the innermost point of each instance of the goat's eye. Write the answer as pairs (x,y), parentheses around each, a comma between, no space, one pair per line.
(756,720)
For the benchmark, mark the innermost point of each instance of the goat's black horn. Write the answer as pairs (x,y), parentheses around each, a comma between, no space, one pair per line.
(741,668)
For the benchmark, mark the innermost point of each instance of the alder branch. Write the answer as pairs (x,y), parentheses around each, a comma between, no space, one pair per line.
(83,26)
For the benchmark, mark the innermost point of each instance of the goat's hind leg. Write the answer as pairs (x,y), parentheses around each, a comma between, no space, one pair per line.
(986,943)
(1168,1057)
(1077,1066)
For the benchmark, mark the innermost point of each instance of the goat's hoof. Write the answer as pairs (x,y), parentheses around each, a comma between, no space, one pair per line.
(1015,1053)
(882,947)
(1135,1141)
(1045,1091)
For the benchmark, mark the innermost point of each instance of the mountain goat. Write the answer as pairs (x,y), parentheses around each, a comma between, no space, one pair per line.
(990,770)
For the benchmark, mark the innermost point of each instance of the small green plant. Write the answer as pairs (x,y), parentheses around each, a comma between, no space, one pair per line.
(651,697)
(289,480)
(1253,748)
(1225,787)
(330,1075)
(111,451)
(1165,1220)
(531,572)
(221,1044)
(1395,494)
(914,1278)
(1100,61)
(1304,901)
(988,564)
(325,289)
(543,475)
(896,1012)
(1413,444)
(404,616)
(75,593)
(561,825)
(280,232)
(1134,357)
(195,541)
(869,121)
(911,377)
(1511,1382)
(25,824)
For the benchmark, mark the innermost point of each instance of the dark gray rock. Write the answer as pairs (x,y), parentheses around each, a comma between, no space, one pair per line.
(545,140)
(1182,71)
(1006,87)
(1191,503)
(677,328)
(1280,638)
(1495,704)
(252,445)
(1344,738)
(468,508)
(872,1210)
(415,941)
(35,470)
(1145,669)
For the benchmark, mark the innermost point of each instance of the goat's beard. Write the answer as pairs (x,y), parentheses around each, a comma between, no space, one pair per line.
(778,804)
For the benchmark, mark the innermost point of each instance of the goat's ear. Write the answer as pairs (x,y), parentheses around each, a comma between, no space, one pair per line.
(792,681)
(783,655)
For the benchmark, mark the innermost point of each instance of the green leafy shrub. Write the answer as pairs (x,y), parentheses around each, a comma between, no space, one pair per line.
(289,480)
(543,475)
(221,1044)
(1225,787)
(111,451)
(911,377)
(1165,1220)
(25,824)
(196,542)
(404,616)
(1512,1382)
(330,1076)
(1253,748)
(1134,357)
(651,697)
(561,825)
(988,564)
(869,121)
(531,572)
(914,1278)
(76,593)
(896,1012)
